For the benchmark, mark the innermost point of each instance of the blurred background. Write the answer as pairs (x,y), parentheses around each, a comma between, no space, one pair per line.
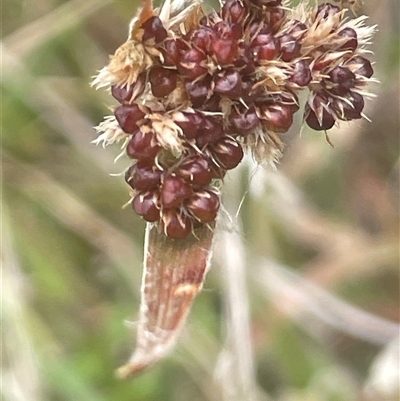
(316,278)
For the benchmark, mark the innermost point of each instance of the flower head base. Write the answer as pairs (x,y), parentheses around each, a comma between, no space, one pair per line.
(195,89)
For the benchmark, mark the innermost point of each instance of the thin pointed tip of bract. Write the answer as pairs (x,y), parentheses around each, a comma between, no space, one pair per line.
(130,370)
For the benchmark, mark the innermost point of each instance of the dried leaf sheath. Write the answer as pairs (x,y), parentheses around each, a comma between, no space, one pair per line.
(174,272)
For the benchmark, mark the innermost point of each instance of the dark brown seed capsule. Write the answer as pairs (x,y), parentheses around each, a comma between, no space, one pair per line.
(162,81)
(128,116)
(278,117)
(353,112)
(251,94)
(258,27)
(327,121)
(128,93)
(225,30)
(199,91)
(351,35)
(176,225)
(191,64)
(301,74)
(245,121)
(202,38)
(343,79)
(210,132)
(145,205)
(129,174)
(227,152)
(204,205)
(265,47)
(191,124)
(174,191)
(224,50)
(144,175)
(172,51)
(154,30)
(261,38)
(267,52)
(212,104)
(361,66)
(275,17)
(196,170)
(229,83)
(122,93)
(290,48)
(233,11)
(143,146)
(326,9)
(245,61)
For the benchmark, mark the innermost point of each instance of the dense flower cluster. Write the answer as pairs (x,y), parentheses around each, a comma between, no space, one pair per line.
(195,89)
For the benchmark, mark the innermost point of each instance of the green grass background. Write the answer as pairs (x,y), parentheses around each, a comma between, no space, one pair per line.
(72,257)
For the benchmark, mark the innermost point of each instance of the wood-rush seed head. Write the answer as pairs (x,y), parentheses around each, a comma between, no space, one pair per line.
(196,89)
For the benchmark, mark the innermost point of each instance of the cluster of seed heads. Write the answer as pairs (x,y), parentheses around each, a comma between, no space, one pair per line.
(194,91)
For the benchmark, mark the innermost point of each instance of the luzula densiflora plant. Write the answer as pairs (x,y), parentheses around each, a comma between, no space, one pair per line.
(196,89)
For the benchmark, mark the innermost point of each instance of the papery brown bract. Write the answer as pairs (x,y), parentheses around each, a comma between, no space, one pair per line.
(174,273)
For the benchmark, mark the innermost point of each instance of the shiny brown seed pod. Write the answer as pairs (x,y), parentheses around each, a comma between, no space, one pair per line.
(204,205)
(144,175)
(245,121)
(325,122)
(175,224)
(227,152)
(162,81)
(174,191)
(143,145)
(196,170)
(128,115)
(145,205)
(153,30)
